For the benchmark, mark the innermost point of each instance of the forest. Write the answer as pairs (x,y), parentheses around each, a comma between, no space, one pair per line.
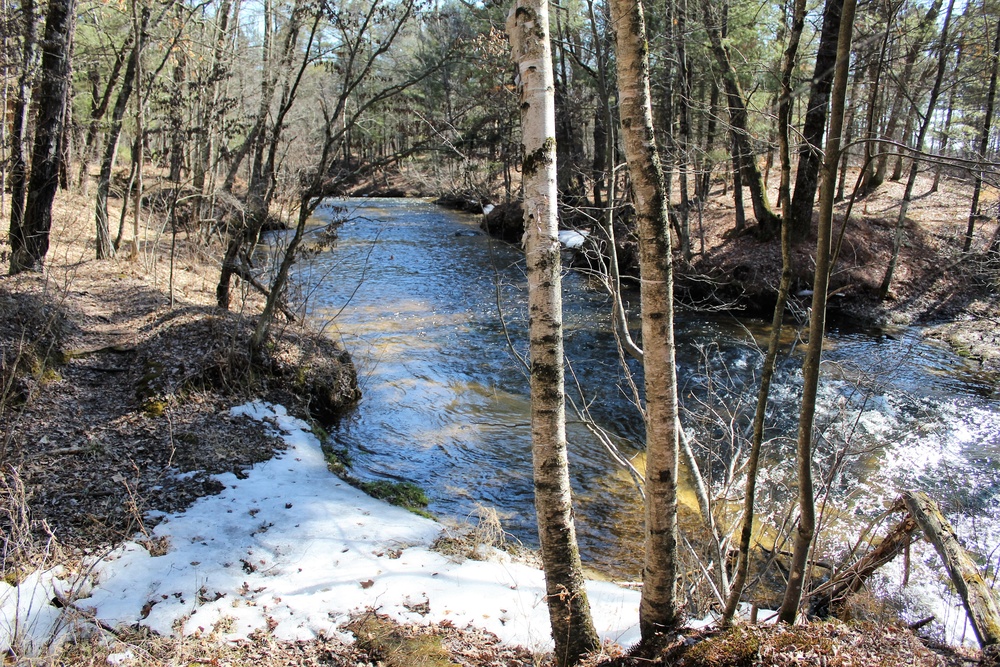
(235,109)
(715,156)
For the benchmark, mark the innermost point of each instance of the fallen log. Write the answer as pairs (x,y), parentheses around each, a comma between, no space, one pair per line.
(828,597)
(979,600)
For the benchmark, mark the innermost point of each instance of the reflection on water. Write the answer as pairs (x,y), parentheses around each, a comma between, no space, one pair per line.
(424,302)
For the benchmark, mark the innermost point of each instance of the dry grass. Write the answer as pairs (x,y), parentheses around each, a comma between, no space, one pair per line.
(481,537)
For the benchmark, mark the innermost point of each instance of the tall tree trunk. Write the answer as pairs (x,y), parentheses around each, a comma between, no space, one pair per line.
(900,101)
(904,206)
(757,437)
(29,248)
(984,143)
(604,134)
(66,140)
(706,167)
(568,148)
(773,103)
(850,122)
(817,324)
(267,86)
(176,119)
(767,219)
(897,170)
(261,177)
(98,107)
(139,22)
(569,611)
(19,130)
(262,173)
(658,608)
(204,155)
(666,108)
(251,230)
(682,150)
(105,247)
(259,184)
(607,166)
(251,142)
(785,104)
(943,136)
(599,172)
(869,180)
(738,204)
(810,155)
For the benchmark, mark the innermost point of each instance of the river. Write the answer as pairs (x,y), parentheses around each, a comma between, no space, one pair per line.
(433,313)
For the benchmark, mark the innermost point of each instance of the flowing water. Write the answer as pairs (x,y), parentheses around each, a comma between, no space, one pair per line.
(433,313)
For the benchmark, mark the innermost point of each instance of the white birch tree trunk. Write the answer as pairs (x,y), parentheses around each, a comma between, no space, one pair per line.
(658,609)
(569,610)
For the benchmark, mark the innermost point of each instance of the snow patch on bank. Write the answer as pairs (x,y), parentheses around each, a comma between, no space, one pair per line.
(295,550)
(572,238)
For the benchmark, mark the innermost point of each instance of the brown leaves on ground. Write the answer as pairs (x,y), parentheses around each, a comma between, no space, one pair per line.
(818,643)
(390,644)
(380,641)
(385,643)
(933,282)
(118,378)
(830,644)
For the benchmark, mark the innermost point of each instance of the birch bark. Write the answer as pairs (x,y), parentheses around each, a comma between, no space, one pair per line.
(569,610)
(658,608)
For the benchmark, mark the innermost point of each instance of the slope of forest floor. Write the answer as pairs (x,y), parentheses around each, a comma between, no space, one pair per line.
(955,294)
(118,377)
(130,372)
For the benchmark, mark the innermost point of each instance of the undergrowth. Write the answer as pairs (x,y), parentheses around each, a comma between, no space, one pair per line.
(31,332)
(393,645)
(402,494)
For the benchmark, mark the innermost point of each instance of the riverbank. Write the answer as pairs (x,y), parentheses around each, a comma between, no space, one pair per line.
(953,294)
(118,375)
(111,430)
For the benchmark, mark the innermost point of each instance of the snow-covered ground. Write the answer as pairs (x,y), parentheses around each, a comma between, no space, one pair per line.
(294,550)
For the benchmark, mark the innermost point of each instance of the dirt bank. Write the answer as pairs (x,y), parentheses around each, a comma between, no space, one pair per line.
(118,376)
(954,294)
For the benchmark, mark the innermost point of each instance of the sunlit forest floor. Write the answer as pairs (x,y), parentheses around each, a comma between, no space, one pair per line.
(935,283)
(934,279)
(118,376)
